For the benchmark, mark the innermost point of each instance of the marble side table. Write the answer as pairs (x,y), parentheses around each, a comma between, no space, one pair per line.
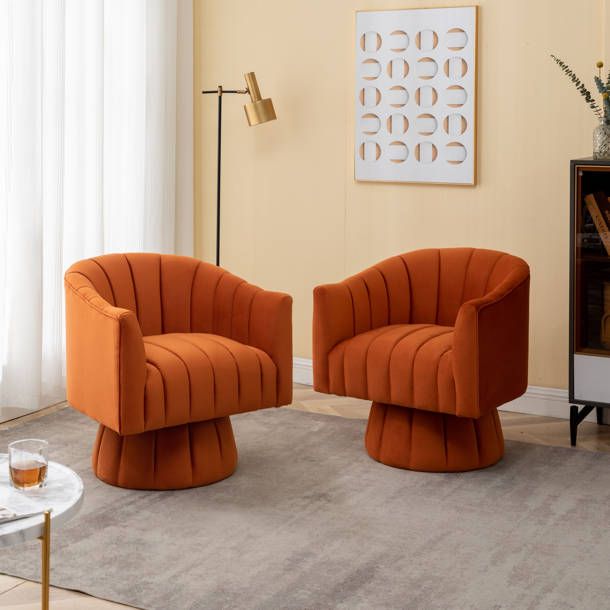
(58,501)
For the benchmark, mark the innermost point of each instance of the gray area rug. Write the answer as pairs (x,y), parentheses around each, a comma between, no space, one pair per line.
(310,521)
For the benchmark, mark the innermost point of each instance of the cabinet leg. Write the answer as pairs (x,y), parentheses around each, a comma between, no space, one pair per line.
(599,413)
(573,424)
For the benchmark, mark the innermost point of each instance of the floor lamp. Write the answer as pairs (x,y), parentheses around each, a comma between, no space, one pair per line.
(258,110)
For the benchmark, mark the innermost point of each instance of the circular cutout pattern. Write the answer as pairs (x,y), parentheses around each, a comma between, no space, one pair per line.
(371,123)
(370,42)
(426,68)
(426,40)
(399,41)
(370,151)
(457,39)
(371,69)
(455,153)
(456,68)
(426,124)
(398,68)
(398,96)
(456,96)
(397,124)
(426,96)
(455,124)
(398,152)
(370,97)
(426,152)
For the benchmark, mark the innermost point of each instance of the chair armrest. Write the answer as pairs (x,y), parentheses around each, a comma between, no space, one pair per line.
(491,347)
(105,362)
(333,322)
(270,329)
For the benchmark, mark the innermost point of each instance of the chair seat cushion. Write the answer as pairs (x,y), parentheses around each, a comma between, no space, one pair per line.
(198,376)
(400,364)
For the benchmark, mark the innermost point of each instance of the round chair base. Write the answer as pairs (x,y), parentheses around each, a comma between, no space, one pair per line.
(432,442)
(184,456)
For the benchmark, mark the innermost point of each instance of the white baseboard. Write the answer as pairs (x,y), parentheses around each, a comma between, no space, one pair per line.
(537,400)
(549,402)
(302,371)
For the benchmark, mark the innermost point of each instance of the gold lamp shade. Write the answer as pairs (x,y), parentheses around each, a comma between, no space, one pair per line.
(258,110)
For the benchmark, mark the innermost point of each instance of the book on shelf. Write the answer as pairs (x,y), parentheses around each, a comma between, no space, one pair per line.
(599,208)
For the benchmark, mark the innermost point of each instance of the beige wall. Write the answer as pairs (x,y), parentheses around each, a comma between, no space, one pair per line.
(293,217)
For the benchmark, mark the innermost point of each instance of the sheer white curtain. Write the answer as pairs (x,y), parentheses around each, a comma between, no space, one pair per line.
(90,140)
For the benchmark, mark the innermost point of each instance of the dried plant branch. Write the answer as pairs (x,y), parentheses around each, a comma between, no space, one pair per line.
(580,87)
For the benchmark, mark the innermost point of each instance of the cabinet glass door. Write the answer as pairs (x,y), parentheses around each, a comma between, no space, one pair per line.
(591,281)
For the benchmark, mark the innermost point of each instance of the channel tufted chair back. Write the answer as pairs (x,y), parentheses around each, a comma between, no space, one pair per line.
(171,294)
(426,286)
(161,349)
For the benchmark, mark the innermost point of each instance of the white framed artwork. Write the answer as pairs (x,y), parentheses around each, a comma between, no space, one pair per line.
(415,95)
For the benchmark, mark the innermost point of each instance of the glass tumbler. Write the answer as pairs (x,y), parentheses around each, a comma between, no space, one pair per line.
(28,462)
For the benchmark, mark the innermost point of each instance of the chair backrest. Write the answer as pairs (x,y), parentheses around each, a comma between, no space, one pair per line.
(429,286)
(167,293)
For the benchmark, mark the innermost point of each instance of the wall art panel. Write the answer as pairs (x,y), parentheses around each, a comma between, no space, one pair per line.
(416,95)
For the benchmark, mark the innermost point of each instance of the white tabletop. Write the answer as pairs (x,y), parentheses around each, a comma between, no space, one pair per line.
(62,493)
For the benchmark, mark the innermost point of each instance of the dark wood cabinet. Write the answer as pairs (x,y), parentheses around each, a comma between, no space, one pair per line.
(589,384)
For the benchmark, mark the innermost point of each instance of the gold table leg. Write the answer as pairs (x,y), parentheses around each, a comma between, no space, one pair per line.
(45,540)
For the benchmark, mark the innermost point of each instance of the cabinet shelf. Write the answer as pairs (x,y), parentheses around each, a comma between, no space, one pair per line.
(591,351)
(588,258)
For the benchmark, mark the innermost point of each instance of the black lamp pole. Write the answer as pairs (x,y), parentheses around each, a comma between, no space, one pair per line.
(220,92)
(258,110)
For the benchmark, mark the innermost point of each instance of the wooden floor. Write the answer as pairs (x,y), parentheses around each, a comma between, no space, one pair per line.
(516,426)
(20,594)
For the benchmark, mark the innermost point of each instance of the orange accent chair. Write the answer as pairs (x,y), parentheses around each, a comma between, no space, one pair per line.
(161,350)
(437,340)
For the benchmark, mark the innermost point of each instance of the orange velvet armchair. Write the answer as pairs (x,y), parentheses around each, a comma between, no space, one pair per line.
(437,340)
(161,350)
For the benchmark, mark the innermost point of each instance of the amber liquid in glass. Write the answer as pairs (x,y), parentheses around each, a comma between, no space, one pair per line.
(28,474)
